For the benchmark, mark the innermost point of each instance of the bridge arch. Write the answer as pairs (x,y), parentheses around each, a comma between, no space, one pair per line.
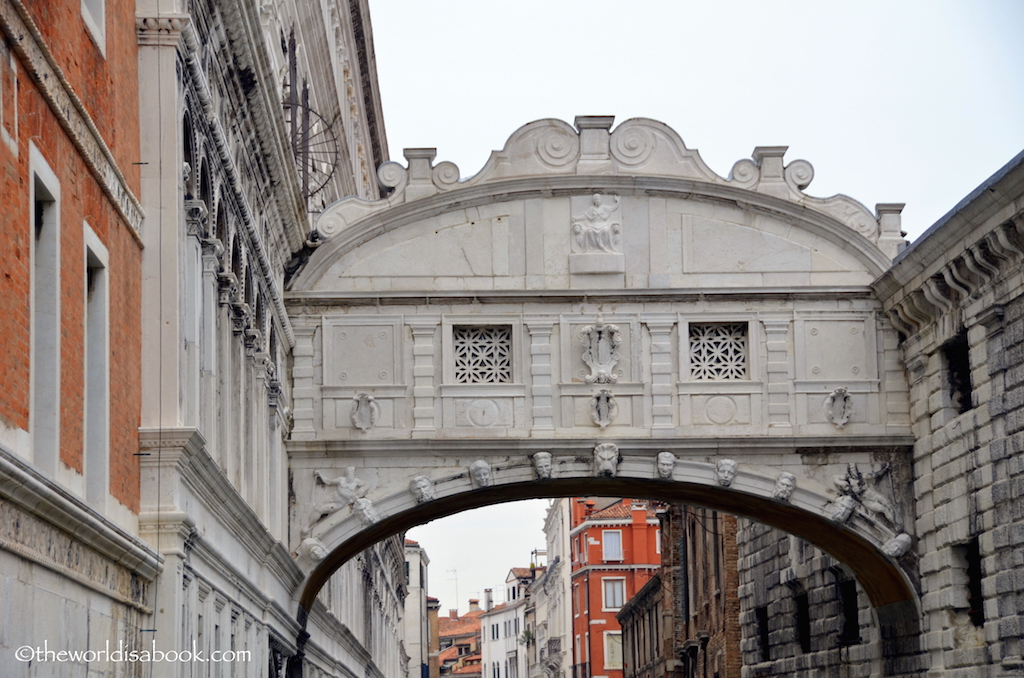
(594,287)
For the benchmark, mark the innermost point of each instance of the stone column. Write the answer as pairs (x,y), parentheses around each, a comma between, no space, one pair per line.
(541,388)
(423,391)
(662,383)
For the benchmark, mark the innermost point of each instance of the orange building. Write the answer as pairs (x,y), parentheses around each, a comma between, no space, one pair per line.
(615,550)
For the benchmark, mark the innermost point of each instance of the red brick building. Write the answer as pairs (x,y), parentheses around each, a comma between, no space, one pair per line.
(615,550)
(685,622)
(69,293)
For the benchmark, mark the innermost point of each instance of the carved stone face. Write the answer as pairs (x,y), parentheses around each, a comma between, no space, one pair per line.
(606,459)
(363,508)
(898,546)
(666,465)
(542,464)
(726,471)
(784,486)
(843,508)
(480,473)
(422,489)
(315,549)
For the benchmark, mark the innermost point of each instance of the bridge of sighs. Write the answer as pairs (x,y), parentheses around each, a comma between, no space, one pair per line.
(598,313)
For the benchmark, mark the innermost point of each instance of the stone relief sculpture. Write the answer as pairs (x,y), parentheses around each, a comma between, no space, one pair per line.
(854,483)
(725,470)
(363,508)
(665,465)
(598,228)
(784,486)
(898,545)
(348,489)
(542,465)
(422,489)
(480,473)
(601,351)
(603,408)
(365,412)
(838,407)
(606,459)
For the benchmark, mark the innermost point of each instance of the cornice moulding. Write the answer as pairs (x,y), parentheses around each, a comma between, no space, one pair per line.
(30,491)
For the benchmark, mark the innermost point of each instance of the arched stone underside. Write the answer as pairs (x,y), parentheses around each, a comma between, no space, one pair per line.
(598,313)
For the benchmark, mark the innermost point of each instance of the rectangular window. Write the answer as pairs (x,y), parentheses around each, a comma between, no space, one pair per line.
(482,355)
(850,632)
(718,351)
(611,541)
(576,600)
(956,354)
(94,14)
(44,416)
(613,649)
(803,621)
(614,593)
(761,614)
(975,599)
(97,372)
(657,541)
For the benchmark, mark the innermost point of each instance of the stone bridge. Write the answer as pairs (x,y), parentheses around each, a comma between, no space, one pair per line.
(598,313)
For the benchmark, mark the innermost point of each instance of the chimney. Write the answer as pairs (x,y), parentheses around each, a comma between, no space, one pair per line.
(453,614)
(488,599)
(474,604)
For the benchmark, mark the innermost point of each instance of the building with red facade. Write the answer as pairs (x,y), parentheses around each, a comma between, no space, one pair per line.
(615,550)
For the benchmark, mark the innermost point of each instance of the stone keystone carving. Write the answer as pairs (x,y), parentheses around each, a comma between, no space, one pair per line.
(898,545)
(784,486)
(725,470)
(480,473)
(665,465)
(843,508)
(601,351)
(603,408)
(606,459)
(542,465)
(363,508)
(838,407)
(858,485)
(422,489)
(598,229)
(365,412)
(312,548)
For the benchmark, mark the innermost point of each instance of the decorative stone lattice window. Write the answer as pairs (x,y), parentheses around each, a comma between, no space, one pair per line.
(718,351)
(483,355)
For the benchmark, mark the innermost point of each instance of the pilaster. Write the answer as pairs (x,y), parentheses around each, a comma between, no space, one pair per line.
(541,388)
(662,386)
(423,370)
(779,374)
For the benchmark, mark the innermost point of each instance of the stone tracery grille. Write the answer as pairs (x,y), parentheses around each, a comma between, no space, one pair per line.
(718,351)
(483,355)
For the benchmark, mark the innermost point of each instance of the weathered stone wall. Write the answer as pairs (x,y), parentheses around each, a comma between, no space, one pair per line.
(775,569)
(956,297)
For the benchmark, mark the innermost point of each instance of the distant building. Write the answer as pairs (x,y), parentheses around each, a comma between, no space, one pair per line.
(549,595)
(685,622)
(459,642)
(615,551)
(417,624)
(504,646)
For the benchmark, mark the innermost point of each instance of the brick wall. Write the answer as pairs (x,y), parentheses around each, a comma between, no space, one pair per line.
(108,89)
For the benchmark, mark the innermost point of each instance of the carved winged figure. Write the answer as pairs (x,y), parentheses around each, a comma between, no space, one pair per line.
(856,484)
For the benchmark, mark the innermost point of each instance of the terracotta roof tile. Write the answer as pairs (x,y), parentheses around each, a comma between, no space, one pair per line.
(522,572)
(410,542)
(620,510)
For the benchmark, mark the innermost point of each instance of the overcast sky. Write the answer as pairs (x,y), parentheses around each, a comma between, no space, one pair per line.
(890,100)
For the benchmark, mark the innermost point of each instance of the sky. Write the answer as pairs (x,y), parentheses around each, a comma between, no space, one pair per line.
(914,101)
